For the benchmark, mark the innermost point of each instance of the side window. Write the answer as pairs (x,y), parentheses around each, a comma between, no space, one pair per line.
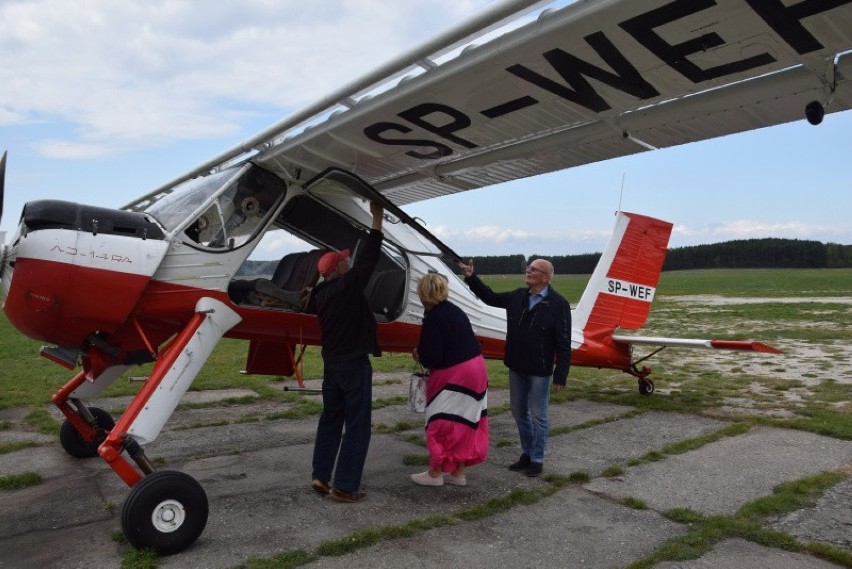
(207,229)
(238,212)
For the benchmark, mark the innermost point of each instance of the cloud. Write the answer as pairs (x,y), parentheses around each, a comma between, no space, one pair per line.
(9,117)
(67,149)
(496,234)
(500,240)
(750,229)
(148,73)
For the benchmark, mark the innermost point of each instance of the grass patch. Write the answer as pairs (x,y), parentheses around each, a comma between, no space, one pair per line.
(415,460)
(286,560)
(828,422)
(694,443)
(789,496)
(43,422)
(12,446)
(367,538)
(634,503)
(612,472)
(140,559)
(565,429)
(18,481)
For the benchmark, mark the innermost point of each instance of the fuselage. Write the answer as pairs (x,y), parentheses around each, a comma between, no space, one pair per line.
(114,285)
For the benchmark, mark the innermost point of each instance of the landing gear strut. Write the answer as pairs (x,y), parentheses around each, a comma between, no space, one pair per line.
(165,510)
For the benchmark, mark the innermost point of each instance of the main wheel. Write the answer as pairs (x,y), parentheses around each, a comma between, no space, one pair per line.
(74,443)
(166,511)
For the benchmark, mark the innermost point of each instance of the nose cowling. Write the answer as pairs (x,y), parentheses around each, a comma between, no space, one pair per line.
(78,270)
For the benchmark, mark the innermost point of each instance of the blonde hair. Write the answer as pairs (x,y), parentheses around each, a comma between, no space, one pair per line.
(432,289)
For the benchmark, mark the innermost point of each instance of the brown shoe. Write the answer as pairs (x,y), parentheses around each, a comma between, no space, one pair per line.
(320,487)
(348,497)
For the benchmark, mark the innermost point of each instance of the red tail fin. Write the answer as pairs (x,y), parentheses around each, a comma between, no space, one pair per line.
(622,287)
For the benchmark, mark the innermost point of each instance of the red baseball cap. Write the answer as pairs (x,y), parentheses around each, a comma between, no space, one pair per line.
(328,262)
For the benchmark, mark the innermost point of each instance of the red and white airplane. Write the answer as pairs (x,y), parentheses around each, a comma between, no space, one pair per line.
(157,280)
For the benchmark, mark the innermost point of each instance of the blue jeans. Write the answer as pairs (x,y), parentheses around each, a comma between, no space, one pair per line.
(529,397)
(347,399)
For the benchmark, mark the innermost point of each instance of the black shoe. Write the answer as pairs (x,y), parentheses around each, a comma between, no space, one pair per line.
(534,469)
(522,463)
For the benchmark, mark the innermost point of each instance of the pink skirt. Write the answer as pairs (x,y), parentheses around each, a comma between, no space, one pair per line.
(457,415)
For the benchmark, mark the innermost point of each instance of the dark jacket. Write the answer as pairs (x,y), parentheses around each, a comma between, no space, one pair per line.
(347,323)
(536,338)
(446,337)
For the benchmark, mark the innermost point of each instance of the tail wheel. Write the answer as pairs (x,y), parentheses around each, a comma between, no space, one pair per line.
(166,511)
(74,443)
(646,386)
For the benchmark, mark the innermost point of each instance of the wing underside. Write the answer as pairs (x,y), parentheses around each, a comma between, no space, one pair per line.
(583,83)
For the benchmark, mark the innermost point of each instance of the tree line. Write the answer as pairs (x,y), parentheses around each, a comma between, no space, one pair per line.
(769,253)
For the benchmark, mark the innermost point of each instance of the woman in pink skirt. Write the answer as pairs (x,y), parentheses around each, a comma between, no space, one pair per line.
(456,392)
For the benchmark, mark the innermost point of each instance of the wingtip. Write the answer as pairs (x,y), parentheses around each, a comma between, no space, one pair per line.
(766,348)
(745,345)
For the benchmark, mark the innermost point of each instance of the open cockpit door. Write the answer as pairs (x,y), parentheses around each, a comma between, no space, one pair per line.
(335,181)
(331,213)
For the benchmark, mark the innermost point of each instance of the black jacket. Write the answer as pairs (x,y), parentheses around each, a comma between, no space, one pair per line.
(537,338)
(347,322)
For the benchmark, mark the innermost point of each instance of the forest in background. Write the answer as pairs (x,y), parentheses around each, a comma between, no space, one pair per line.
(770,253)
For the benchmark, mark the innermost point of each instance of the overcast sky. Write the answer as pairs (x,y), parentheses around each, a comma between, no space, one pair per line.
(102,101)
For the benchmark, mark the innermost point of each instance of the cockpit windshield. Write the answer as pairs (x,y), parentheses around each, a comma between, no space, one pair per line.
(223,210)
(175,207)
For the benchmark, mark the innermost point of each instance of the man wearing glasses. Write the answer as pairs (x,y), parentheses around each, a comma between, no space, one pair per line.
(538,351)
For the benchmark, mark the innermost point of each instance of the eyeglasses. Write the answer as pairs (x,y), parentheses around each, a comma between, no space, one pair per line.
(531,269)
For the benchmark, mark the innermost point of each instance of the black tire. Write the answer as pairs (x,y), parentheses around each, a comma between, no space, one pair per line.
(166,511)
(74,443)
(646,387)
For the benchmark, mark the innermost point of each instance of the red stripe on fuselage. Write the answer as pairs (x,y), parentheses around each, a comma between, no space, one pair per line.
(62,303)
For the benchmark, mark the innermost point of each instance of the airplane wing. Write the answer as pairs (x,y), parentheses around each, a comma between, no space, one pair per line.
(530,87)
(743,345)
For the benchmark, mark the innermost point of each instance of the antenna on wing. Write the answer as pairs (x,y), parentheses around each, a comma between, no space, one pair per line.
(621,193)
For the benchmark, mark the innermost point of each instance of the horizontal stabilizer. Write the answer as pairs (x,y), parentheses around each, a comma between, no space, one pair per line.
(743,345)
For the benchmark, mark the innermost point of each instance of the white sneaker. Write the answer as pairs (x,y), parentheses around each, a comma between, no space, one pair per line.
(424,479)
(455,480)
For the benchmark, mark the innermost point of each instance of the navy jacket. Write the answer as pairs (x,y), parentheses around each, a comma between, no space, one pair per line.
(446,337)
(535,339)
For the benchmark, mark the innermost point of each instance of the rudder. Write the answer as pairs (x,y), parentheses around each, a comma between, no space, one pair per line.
(622,287)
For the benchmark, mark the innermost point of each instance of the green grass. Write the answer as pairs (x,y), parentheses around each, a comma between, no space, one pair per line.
(18,481)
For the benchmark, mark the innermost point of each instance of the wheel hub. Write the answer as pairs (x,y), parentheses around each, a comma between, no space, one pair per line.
(168,516)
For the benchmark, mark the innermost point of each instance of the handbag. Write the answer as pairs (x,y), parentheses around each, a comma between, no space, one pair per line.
(417,391)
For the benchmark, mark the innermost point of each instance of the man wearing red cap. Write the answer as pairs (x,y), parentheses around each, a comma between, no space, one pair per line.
(348,329)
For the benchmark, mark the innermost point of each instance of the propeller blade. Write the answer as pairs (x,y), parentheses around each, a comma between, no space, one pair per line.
(2,180)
